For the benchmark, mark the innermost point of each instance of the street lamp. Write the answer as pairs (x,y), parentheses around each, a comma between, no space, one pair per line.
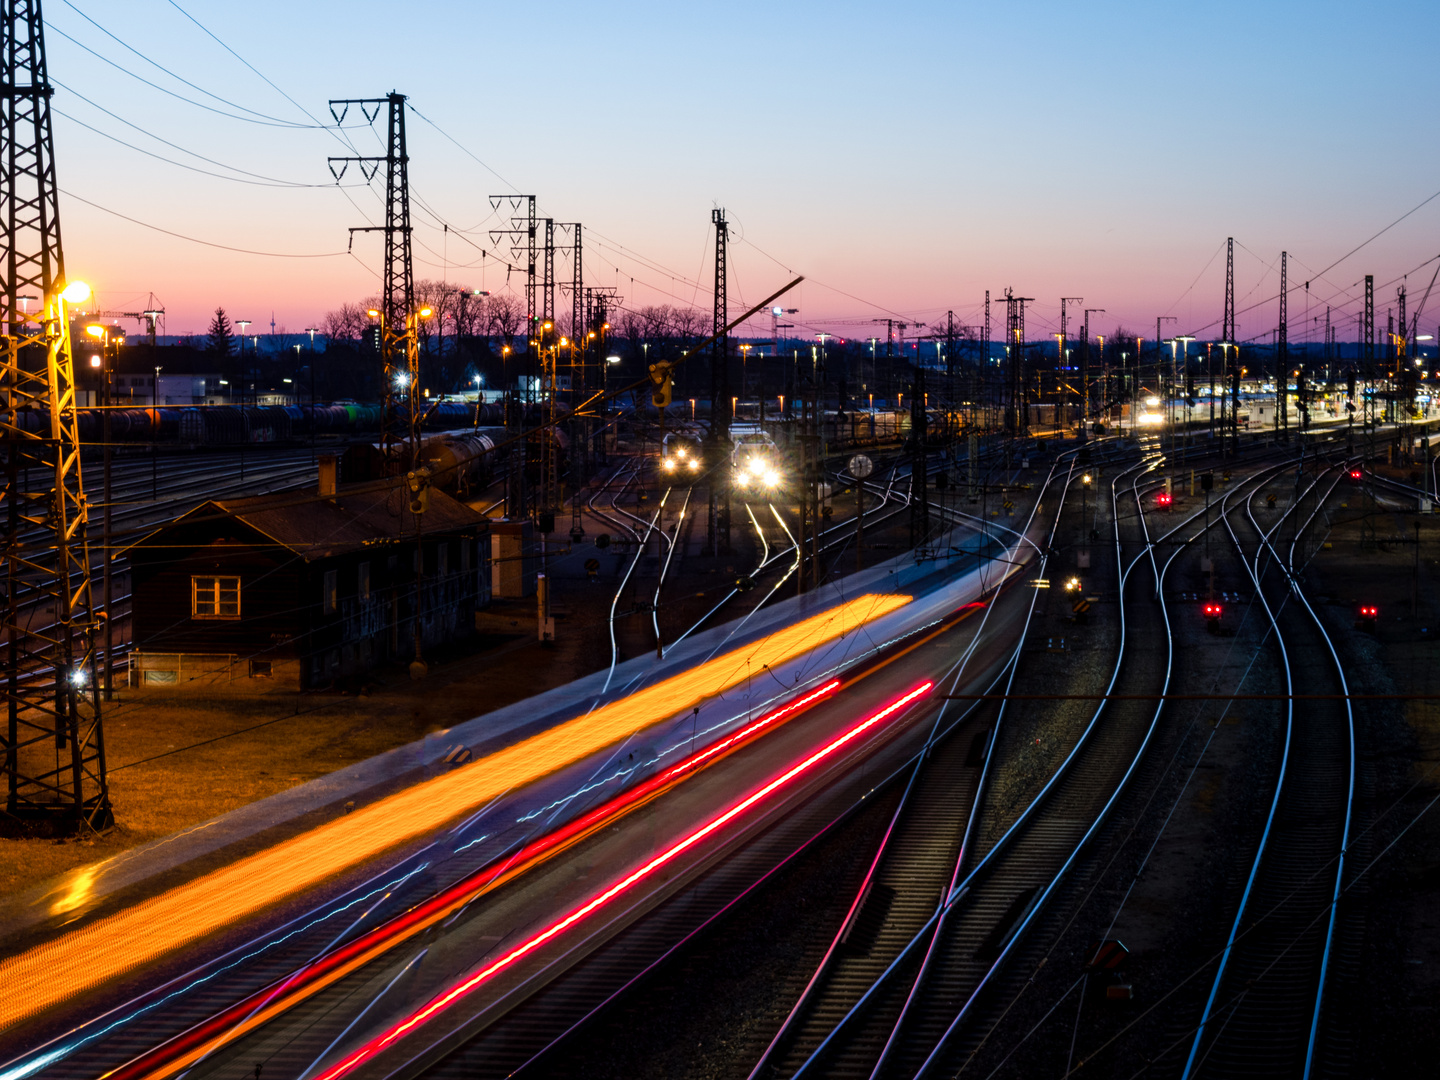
(243,324)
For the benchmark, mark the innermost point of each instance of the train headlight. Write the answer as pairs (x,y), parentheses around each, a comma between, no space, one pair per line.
(694,465)
(669,465)
(772,478)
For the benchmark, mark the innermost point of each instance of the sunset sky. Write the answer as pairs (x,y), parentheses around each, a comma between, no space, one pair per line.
(904,156)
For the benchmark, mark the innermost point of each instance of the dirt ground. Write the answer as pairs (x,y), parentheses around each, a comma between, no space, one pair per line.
(178,758)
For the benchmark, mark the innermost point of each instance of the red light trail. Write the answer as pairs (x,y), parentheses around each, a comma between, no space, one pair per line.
(466,986)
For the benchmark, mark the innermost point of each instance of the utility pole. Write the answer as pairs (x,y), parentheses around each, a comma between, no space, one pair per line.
(985,361)
(718,531)
(1017,419)
(398,352)
(1085,366)
(919,493)
(54,746)
(950,356)
(1061,365)
(1282,354)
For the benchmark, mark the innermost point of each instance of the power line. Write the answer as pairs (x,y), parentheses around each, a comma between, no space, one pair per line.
(257,181)
(197,240)
(263,120)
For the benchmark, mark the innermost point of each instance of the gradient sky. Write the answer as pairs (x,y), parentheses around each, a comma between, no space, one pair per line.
(904,156)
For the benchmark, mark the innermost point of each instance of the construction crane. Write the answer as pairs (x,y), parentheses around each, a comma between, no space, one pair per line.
(147,318)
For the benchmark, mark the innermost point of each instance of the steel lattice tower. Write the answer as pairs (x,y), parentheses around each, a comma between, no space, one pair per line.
(1367,328)
(399,351)
(548,314)
(1227,328)
(54,746)
(1017,418)
(719,434)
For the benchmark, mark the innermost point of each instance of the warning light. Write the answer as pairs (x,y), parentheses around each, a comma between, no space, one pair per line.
(1355,474)
(1213,611)
(1164,499)
(1371,613)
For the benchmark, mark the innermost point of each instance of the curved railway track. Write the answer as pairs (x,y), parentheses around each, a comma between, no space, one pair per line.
(1265,1007)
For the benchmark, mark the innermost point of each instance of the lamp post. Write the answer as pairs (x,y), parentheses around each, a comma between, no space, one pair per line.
(312,331)
(107,583)
(243,324)
(1184,340)
(155,435)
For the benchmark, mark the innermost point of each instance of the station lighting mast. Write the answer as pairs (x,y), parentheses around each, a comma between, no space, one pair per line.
(54,746)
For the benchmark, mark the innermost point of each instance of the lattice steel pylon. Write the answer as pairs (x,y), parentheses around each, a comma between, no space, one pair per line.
(718,437)
(399,348)
(54,745)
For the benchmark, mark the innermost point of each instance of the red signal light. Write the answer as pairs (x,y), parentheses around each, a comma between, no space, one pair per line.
(1213,611)
(1355,474)
(1163,499)
(1369,612)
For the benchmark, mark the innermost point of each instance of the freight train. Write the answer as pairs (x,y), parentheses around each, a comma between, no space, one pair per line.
(232,425)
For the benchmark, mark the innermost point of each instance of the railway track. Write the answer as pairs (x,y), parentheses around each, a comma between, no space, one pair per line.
(1266,1004)
(900,898)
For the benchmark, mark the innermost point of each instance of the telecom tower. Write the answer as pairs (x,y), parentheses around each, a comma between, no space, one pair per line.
(54,745)
(399,350)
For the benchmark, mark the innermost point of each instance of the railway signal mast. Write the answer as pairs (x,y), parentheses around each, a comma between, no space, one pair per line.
(54,746)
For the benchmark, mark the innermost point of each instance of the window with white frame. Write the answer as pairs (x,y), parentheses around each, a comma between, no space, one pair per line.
(214,597)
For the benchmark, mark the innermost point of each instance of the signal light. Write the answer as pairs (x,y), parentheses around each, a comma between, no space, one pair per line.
(1355,474)
(1164,498)
(1213,611)
(1370,612)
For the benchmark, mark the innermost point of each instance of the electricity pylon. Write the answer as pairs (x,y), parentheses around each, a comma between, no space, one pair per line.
(54,745)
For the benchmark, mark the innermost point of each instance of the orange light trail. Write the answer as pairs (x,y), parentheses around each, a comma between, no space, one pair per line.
(466,986)
(91,955)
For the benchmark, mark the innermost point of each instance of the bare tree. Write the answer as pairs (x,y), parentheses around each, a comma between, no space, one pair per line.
(505,313)
(345,323)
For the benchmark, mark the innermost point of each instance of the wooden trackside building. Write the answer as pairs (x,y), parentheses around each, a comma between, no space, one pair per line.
(302,590)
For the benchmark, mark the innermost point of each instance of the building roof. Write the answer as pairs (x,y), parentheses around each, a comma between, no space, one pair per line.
(364,515)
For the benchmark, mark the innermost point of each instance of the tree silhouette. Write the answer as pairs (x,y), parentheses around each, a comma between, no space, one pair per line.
(222,334)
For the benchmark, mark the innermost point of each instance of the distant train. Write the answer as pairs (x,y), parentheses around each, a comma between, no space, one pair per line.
(681,453)
(461,462)
(755,458)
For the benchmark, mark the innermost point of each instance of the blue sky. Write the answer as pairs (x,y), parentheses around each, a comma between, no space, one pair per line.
(904,157)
